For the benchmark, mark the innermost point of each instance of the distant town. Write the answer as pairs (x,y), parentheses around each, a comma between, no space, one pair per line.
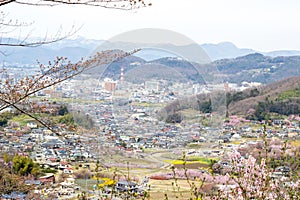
(128,136)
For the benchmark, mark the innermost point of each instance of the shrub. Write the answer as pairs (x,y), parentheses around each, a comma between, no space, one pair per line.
(82,174)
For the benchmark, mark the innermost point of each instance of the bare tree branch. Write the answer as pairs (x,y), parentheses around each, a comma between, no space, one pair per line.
(12,94)
(115,4)
(9,25)
(29,114)
(24,42)
(4,2)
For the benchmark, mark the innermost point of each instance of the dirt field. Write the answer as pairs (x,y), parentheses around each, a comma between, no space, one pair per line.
(160,188)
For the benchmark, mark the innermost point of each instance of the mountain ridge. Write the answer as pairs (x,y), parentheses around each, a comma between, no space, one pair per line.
(84,47)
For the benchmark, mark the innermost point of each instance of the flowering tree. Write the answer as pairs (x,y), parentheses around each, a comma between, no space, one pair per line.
(244,176)
(251,179)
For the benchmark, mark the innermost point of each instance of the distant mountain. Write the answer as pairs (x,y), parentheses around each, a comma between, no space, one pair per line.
(225,50)
(250,68)
(150,51)
(80,47)
(79,41)
(258,68)
(113,70)
(138,70)
(73,49)
(282,53)
(229,50)
(30,56)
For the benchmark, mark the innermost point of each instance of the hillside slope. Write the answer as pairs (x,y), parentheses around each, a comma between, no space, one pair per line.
(282,97)
(278,98)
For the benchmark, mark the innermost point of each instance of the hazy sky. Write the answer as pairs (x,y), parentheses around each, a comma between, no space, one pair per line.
(258,24)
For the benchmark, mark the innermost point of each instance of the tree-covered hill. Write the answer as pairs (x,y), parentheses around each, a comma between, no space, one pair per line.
(278,98)
(281,97)
(251,68)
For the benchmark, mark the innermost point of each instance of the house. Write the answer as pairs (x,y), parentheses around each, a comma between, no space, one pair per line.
(235,137)
(246,129)
(63,165)
(68,170)
(125,186)
(47,179)
(33,182)
(32,125)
